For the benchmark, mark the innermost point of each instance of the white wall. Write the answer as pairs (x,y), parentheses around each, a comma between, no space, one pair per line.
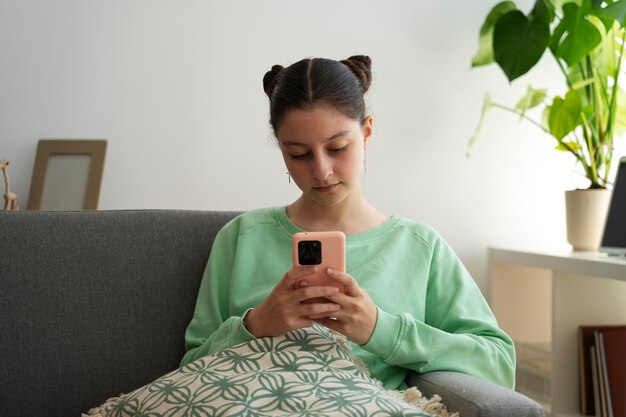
(175,87)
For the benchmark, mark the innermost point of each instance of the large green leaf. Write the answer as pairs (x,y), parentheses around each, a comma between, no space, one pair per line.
(575,36)
(616,10)
(607,20)
(519,41)
(484,55)
(564,114)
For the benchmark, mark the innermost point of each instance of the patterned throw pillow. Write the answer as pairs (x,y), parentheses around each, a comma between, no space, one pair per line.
(306,372)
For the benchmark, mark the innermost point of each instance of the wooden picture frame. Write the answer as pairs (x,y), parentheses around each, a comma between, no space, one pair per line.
(67,174)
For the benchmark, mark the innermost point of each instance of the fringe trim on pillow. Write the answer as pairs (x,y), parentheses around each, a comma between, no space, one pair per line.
(431,405)
(99,411)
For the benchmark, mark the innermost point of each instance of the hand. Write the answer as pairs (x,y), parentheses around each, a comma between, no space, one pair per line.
(357,317)
(283,310)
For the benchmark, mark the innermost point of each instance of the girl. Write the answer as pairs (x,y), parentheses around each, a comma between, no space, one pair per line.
(410,303)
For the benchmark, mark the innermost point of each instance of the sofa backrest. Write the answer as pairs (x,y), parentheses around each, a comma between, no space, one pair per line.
(94,304)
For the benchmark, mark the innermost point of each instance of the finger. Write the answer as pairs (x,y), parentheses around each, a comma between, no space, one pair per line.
(307,293)
(297,273)
(347,280)
(341,299)
(317,317)
(322,310)
(349,299)
(330,323)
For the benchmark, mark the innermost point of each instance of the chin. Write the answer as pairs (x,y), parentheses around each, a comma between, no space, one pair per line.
(330,201)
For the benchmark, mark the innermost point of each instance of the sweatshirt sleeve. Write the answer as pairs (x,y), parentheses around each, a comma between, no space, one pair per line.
(458,333)
(212,328)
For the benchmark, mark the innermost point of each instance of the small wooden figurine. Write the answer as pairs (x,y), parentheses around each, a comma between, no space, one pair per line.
(10,199)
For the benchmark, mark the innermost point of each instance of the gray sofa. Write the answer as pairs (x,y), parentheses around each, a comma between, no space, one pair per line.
(94,304)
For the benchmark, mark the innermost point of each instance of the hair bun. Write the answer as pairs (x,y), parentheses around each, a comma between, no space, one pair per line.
(361,66)
(270,78)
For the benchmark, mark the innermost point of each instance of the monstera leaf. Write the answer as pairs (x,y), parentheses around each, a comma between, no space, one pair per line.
(520,41)
(575,36)
(484,56)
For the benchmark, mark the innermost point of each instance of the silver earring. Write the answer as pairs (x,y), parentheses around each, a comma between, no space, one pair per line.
(289,175)
(364,159)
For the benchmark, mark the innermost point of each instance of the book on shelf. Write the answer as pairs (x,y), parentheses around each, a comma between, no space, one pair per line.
(614,344)
(595,384)
(602,370)
(603,408)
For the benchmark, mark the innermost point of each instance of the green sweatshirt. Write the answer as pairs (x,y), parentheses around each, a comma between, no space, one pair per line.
(431,314)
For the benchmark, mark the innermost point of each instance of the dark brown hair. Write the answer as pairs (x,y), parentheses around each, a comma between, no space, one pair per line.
(312,81)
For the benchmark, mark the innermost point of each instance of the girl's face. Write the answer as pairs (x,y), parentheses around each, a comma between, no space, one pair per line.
(324,150)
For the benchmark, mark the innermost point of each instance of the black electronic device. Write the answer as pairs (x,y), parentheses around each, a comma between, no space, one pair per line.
(614,236)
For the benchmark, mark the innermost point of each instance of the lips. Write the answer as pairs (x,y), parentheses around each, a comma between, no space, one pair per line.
(325,188)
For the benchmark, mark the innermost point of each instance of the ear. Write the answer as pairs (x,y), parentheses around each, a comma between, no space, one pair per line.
(367,130)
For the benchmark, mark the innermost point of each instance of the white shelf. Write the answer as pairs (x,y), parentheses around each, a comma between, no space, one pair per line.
(582,263)
(541,298)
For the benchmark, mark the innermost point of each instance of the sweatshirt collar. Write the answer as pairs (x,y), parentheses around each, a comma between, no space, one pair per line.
(280,214)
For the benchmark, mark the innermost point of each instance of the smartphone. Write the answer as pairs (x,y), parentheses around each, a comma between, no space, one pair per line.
(324,249)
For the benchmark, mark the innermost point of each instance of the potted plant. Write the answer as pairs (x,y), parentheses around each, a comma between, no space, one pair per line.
(586,40)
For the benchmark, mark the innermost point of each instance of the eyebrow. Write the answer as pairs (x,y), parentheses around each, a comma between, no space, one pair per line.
(335,136)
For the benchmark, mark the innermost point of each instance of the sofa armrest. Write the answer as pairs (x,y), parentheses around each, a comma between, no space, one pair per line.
(474,397)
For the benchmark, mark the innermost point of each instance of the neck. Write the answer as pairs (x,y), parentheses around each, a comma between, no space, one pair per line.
(353,215)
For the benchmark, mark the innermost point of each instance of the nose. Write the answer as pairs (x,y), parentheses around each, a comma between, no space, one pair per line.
(322,168)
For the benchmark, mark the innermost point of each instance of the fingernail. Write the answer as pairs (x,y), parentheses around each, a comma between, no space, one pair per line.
(303,284)
(330,271)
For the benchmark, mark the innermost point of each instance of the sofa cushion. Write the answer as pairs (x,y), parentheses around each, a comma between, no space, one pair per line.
(95,303)
(474,396)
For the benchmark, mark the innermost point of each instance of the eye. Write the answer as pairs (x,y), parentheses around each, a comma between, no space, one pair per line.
(342,149)
(301,156)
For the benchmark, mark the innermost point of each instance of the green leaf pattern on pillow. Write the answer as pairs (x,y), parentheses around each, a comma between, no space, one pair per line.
(306,372)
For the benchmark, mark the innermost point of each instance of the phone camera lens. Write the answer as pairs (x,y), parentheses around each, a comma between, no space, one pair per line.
(310,252)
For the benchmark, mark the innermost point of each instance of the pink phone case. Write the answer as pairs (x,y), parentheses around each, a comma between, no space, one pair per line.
(333,255)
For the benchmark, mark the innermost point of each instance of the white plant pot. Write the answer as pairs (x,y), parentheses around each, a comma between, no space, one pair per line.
(586,212)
